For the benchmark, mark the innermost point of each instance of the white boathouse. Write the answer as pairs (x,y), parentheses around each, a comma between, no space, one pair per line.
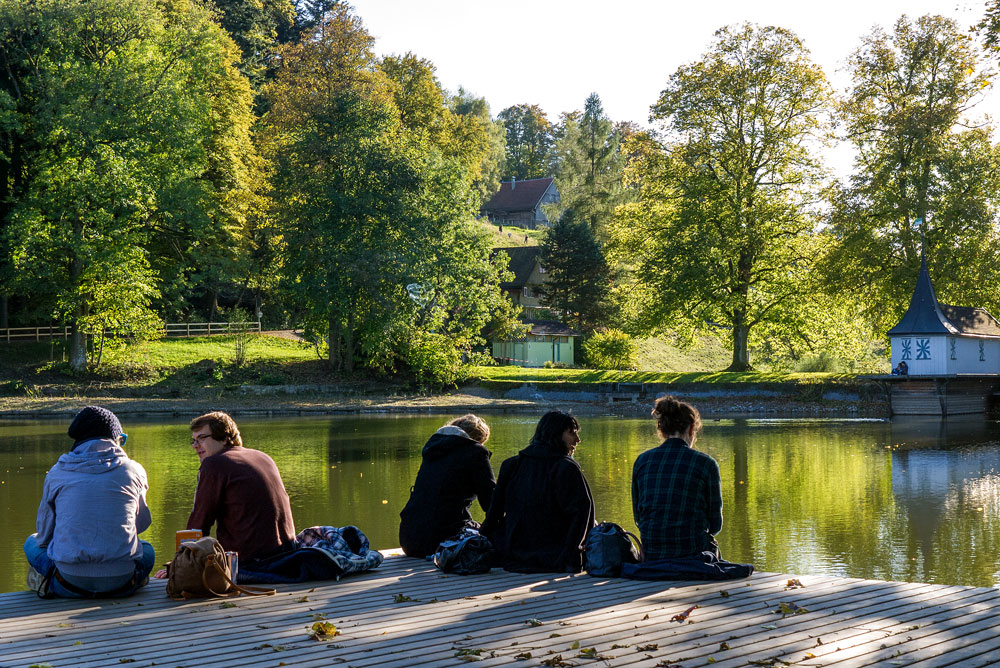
(936,339)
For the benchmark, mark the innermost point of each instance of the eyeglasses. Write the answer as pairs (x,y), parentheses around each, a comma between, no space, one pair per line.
(199,439)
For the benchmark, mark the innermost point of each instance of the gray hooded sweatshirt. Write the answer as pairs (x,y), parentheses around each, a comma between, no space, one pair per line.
(93,508)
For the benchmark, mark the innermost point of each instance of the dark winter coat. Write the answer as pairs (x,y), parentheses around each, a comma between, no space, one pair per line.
(541,512)
(455,470)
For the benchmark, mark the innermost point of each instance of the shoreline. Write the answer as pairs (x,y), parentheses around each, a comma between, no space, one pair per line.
(469,400)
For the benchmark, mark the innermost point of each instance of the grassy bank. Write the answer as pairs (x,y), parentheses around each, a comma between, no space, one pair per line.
(526,375)
(189,367)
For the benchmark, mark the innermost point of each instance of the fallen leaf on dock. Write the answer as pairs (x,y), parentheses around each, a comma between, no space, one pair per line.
(126,660)
(523,656)
(303,599)
(557,662)
(645,617)
(790,608)
(617,646)
(402,598)
(682,617)
(769,627)
(227,604)
(533,622)
(40,665)
(318,615)
(589,653)
(723,646)
(724,594)
(324,631)
(575,645)
(793,584)
(647,648)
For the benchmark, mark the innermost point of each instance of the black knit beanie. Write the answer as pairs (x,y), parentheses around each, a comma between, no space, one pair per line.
(94,422)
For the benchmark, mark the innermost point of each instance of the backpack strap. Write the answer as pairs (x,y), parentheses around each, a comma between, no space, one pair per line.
(638,543)
(247,590)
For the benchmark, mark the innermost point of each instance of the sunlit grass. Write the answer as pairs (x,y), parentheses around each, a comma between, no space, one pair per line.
(183,351)
(529,375)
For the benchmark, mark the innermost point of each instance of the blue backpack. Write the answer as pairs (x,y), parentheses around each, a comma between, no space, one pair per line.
(608,547)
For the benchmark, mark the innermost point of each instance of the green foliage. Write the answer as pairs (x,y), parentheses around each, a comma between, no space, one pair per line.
(578,279)
(381,195)
(589,167)
(432,360)
(611,349)
(255,25)
(721,232)
(919,172)
(128,119)
(241,335)
(529,140)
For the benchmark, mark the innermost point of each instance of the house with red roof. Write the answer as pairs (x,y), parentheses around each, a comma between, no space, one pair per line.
(519,203)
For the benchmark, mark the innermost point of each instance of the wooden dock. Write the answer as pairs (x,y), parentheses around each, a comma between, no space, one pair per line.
(408,614)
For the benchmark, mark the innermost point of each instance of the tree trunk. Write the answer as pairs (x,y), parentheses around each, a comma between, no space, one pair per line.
(77,339)
(77,345)
(4,324)
(333,344)
(213,305)
(349,344)
(741,332)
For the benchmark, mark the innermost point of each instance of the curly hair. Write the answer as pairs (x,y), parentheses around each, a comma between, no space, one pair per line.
(675,417)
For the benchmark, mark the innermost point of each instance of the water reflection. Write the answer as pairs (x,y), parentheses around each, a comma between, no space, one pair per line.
(910,500)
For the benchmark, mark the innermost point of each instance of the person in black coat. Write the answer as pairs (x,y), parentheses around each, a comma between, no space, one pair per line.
(454,471)
(542,507)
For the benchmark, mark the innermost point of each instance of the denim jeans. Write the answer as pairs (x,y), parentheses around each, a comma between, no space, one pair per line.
(39,559)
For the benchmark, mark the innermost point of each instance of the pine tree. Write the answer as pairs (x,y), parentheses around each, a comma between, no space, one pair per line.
(578,275)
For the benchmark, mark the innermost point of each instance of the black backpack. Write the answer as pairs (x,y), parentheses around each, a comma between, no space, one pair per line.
(609,546)
(468,553)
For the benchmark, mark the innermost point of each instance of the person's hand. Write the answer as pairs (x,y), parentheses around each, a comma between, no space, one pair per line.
(160,574)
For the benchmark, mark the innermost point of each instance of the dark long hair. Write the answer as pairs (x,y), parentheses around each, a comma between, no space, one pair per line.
(551,427)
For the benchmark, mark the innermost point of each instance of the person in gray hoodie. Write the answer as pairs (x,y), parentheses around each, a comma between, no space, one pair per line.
(93,508)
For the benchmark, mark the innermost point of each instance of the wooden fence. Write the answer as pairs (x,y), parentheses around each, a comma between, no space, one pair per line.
(170,329)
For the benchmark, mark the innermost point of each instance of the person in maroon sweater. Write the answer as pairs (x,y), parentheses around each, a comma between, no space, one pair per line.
(239,491)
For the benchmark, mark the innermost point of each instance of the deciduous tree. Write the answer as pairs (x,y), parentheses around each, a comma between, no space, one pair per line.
(722,232)
(921,168)
(384,262)
(122,120)
(529,140)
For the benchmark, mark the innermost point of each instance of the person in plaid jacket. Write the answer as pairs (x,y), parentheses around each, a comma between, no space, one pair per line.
(677,490)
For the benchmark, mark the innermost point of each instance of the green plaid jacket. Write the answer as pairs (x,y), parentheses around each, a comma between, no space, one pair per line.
(676,500)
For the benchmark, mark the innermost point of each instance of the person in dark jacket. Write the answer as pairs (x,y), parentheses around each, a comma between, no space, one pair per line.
(542,508)
(454,471)
(676,490)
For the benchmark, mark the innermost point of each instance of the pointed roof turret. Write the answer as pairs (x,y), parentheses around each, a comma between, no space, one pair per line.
(924,315)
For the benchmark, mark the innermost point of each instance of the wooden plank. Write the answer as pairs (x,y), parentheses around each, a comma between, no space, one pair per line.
(489,612)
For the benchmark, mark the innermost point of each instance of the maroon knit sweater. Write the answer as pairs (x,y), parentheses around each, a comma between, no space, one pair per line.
(240,491)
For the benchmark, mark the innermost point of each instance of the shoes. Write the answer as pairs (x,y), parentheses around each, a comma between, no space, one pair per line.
(36,582)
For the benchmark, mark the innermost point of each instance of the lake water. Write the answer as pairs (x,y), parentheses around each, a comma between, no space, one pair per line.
(915,500)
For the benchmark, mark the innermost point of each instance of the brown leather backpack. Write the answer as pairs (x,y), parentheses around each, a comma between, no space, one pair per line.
(200,569)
